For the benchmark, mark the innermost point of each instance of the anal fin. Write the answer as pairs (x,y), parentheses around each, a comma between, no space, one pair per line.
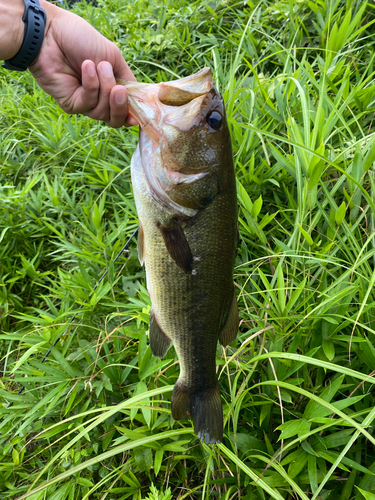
(159,342)
(204,408)
(230,329)
(177,245)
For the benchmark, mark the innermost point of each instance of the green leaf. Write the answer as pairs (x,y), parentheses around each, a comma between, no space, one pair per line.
(96,217)
(257,206)
(313,409)
(62,492)
(84,482)
(367,494)
(15,456)
(158,460)
(281,288)
(292,427)
(306,235)
(146,412)
(26,355)
(329,348)
(316,362)
(143,457)
(340,214)
(298,465)
(322,403)
(369,159)
(253,475)
(313,473)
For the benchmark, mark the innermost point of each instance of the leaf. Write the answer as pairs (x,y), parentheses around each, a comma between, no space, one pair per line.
(107,439)
(84,482)
(266,219)
(26,355)
(247,443)
(316,362)
(253,475)
(367,494)
(306,235)
(244,197)
(340,214)
(329,348)
(264,412)
(332,408)
(141,389)
(257,206)
(143,457)
(369,159)
(298,465)
(292,427)
(15,456)
(158,460)
(313,409)
(281,288)
(96,217)
(313,473)
(316,167)
(62,492)
(295,295)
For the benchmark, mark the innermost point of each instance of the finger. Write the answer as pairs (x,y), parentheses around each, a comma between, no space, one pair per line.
(125,73)
(89,92)
(106,83)
(118,104)
(121,69)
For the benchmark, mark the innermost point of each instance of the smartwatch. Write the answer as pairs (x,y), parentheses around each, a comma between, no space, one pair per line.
(35,19)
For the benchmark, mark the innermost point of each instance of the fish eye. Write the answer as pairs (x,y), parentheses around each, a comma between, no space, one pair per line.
(214,120)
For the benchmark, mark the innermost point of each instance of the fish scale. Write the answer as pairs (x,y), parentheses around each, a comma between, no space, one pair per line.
(188,235)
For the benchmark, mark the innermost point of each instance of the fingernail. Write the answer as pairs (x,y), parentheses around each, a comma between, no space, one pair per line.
(120,97)
(106,68)
(90,68)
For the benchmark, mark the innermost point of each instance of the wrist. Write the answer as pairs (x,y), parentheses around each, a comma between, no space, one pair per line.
(51,12)
(34,18)
(11,27)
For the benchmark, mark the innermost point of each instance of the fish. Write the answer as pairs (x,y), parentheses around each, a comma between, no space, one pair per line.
(185,194)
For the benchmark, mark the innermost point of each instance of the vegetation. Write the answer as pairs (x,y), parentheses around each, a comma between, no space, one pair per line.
(297,385)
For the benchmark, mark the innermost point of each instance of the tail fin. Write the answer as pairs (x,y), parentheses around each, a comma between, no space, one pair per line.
(203,408)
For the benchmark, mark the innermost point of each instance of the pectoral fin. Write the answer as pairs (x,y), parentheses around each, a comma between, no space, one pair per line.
(229,332)
(177,245)
(159,342)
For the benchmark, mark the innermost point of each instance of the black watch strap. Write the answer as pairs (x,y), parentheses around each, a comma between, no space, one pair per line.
(34,18)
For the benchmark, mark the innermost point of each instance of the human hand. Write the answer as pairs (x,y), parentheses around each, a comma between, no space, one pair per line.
(77,67)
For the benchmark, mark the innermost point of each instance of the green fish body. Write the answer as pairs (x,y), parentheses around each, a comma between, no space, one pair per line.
(185,193)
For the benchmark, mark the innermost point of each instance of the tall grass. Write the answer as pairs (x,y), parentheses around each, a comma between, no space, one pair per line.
(297,385)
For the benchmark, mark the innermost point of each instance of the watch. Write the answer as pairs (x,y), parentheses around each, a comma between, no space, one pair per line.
(35,19)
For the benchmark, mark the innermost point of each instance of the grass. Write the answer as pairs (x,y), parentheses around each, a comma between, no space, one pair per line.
(297,385)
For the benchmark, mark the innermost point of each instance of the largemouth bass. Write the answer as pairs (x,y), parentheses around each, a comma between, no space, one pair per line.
(185,194)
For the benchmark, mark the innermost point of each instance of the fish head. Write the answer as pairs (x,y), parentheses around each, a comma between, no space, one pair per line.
(184,141)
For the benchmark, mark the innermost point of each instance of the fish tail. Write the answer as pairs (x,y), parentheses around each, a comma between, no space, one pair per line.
(204,408)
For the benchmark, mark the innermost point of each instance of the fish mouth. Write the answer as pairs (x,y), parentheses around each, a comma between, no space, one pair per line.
(149,102)
(153,105)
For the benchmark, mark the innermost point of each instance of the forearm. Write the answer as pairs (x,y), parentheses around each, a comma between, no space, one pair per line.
(11,27)
(76,64)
